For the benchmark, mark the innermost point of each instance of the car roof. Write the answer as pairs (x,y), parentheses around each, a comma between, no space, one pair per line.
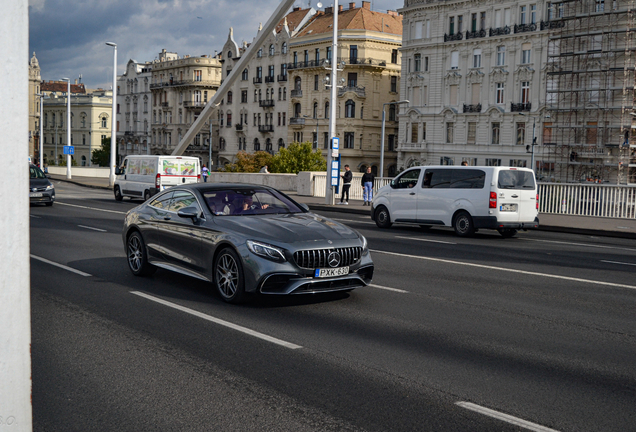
(223,186)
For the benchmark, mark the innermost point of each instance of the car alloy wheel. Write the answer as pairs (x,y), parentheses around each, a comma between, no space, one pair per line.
(228,276)
(137,259)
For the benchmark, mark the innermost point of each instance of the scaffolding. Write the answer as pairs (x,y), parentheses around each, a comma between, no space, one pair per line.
(590,133)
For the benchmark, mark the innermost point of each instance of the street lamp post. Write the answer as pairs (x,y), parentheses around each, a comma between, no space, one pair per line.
(113,130)
(68,125)
(382,135)
(534,139)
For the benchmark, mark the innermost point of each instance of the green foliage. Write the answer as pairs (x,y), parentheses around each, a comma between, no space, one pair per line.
(298,157)
(249,162)
(101,156)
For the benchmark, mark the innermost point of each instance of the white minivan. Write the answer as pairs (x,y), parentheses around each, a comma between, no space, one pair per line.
(466,198)
(142,176)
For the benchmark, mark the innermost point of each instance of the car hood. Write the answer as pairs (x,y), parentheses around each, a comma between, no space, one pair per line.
(287,228)
(38,182)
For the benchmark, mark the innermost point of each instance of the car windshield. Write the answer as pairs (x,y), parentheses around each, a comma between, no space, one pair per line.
(246,202)
(512,179)
(36,173)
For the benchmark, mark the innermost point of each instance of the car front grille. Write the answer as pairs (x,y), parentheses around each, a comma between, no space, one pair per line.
(40,189)
(318,258)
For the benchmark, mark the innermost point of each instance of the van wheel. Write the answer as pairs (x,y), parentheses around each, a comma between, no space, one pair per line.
(382,217)
(463,224)
(507,232)
(118,196)
(146,195)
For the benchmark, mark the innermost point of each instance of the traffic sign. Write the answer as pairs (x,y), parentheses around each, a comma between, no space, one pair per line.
(335,147)
(69,150)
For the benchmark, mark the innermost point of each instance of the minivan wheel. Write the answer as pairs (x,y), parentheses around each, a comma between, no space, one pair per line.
(507,232)
(118,196)
(463,224)
(228,276)
(382,217)
(146,195)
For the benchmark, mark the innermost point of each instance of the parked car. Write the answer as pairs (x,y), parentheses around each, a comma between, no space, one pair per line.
(41,190)
(463,197)
(245,239)
(142,176)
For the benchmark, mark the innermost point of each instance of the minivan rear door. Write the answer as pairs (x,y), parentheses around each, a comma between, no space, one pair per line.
(516,195)
(178,171)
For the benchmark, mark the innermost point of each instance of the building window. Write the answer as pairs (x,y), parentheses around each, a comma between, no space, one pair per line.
(316,78)
(414,133)
(451,25)
(455,60)
(259,53)
(493,162)
(392,112)
(533,14)
(417,60)
(326,110)
(477,58)
(393,84)
(394,56)
(229,97)
(501,55)
(472,133)
(449,132)
(315,110)
(317,55)
(600,5)
(523,10)
(521,133)
(271,50)
(197,75)
(495,133)
(499,95)
(243,96)
(328,53)
(453,95)
(104,121)
(350,109)
(525,92)
(352,79)
(348,140)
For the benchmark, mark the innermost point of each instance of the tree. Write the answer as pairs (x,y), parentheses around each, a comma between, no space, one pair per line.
(298,157)
(101,156)
(249,162)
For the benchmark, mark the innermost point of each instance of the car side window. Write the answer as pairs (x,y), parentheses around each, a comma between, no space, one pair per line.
(162,201)
(124,166)
(437,178)
(468,179)
(181,200)
(407,180)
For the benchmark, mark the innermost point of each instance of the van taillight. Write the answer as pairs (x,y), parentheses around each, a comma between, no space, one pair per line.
(158,181)
(198,177)
(537,201)
(493,200)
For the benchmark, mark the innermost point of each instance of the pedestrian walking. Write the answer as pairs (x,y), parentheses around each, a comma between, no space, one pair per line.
(346,184)
(204,173)
(367,183)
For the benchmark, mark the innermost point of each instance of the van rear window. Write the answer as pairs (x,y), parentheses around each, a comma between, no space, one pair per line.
(513,179)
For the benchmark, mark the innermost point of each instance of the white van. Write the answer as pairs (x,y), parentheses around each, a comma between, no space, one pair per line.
(142,176)
(463,197)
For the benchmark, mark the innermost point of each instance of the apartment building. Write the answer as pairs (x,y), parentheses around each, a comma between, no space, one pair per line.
(253,115)
(474,73)
(368,54)
(134,114)
(181,87)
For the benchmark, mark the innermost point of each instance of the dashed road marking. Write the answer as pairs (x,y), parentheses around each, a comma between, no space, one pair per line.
(504,417)
(62,266)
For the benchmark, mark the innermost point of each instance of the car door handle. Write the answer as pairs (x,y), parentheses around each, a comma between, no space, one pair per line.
(167,218)
(412,193)
(515,196)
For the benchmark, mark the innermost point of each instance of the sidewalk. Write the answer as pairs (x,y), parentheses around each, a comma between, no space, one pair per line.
(623,228)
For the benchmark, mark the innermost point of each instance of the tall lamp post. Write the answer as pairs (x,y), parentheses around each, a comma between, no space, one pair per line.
(113,130)
(68,125)
(382,136)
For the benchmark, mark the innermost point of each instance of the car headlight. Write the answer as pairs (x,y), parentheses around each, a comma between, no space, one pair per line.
(365,245)
(266,251)
(49,187)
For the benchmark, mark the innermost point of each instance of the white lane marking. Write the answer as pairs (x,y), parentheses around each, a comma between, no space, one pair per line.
(617,262)
(505,417)
(354,221)
(579,244)
(81,273)
(219,321)
(425,240)
(90,208)
(611,284)
(91,228)
(37,217)
(387,288)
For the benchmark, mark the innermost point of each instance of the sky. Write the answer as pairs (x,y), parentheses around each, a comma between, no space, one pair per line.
(69,36)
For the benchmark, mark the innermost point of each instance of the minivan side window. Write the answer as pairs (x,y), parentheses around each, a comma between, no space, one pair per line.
(468,179)
(407,180)
(437,178)
(512,179)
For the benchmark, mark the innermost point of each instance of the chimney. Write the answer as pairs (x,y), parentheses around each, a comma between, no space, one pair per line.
(366,5)
(352,5)
(392,13)
(329,10)
(296,9)
(339,8)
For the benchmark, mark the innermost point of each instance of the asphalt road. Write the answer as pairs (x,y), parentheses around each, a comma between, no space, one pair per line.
(480,334)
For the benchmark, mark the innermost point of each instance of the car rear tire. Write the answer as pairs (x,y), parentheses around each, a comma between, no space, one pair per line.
(383,218)
(118,196)
(463,224)
(137,256)
(228,276)
(507,232)
(146,195)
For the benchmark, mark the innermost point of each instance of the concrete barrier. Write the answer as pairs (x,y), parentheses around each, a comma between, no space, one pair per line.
(81,171)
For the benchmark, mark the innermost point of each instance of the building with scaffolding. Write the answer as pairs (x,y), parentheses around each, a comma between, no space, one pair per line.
(590,93)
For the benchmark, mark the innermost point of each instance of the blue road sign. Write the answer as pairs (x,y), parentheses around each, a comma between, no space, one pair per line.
(69,150)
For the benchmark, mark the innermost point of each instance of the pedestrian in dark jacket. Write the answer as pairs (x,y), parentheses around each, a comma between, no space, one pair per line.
(346,184)
(367,184)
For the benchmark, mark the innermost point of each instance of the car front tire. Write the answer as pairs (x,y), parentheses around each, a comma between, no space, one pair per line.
(463,224)
(228,276)
(382,217)
(137,256)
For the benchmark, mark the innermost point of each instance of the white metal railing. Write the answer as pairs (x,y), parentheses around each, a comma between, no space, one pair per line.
(610,201)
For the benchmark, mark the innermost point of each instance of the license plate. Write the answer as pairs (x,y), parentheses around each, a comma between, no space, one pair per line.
(508,207)
(35,194)
(323,273)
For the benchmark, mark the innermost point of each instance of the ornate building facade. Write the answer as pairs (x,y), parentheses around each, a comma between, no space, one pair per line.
(35,79)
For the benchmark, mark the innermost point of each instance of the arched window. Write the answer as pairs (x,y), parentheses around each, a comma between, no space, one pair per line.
(350,109)
(229,54)
(229,97)
(268,146)
(284,93)
(298,83)
(284,48)
(104,121)
(326,110)
(297,110)
(281,143)
(392,112)
(221,143)
(245,75)
(259,54)
(315,111)
(280,93)
(271,50)
(257,144)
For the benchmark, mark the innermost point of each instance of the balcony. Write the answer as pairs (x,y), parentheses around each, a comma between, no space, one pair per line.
(519,107)
(359,91)
(165,104)
(297,93)
(476,34)
(297,121)
(282,78)
(194,105)
(500,31)
(266,128)
(551,25)
(453,37)
(474,108)
(305,64)
(238,127)
(266,103)
(258,80)
(361,61)
(522,28)
(269,79)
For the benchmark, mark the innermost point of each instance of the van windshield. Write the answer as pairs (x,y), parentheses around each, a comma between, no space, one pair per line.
(512,179)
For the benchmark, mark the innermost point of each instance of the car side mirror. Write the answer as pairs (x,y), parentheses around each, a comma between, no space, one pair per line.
(189,213)
(304,206)
(118,171)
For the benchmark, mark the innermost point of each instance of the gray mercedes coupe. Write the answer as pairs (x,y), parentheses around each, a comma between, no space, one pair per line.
(244,239)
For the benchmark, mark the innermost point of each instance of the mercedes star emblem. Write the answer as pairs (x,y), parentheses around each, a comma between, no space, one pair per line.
(334,259)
